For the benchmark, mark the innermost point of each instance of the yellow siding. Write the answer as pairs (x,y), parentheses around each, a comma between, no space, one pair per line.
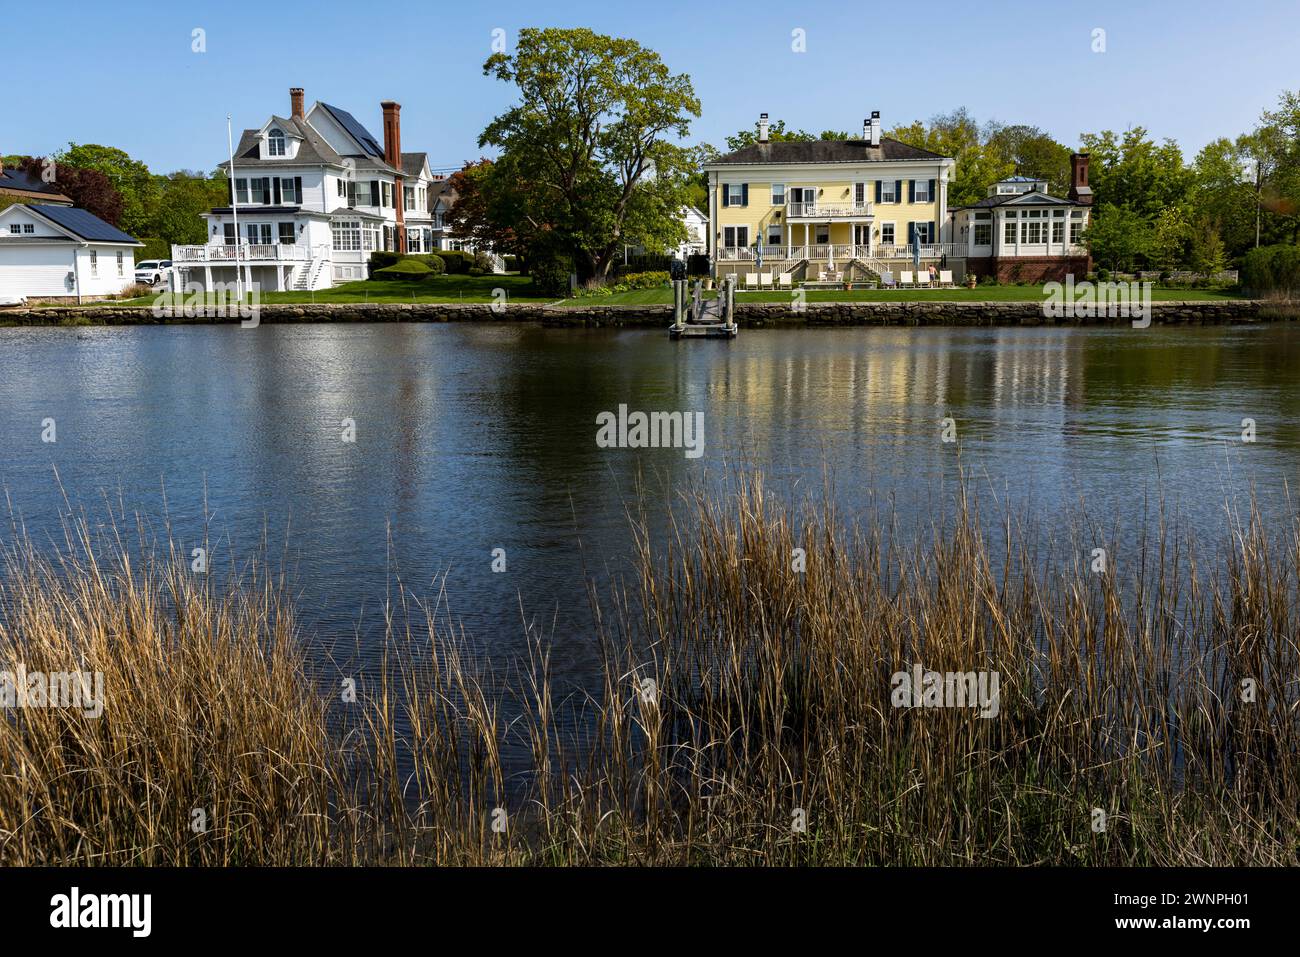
(758,215)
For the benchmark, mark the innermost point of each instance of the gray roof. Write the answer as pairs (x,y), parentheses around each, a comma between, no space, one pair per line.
(825,151)
(412,163)
(84,225)
(312,151)
(1032,198)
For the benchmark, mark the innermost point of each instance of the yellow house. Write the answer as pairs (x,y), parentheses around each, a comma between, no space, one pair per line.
(828,209)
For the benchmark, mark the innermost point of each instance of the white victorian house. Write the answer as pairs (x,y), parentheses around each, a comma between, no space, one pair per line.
(313,194)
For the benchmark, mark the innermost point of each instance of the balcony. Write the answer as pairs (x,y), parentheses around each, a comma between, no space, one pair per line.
(827,212)
(252,254)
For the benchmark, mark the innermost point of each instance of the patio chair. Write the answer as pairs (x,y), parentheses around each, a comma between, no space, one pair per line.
(923,279)
(785,280)
(751,280)
(945,277)
(887,280)
(765,280)
(904,279)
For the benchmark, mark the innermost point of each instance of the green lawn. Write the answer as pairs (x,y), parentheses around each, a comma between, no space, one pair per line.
(462,288)
(663,296)
(457,288)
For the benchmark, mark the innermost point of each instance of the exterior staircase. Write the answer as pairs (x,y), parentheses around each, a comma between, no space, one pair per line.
(309,277)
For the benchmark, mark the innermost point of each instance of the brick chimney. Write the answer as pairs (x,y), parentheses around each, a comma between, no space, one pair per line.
(393,157)
(295,102)
(1080,191)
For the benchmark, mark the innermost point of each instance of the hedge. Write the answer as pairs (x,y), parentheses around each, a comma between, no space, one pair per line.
(405,269)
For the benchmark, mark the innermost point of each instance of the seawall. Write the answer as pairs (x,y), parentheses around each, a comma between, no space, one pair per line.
(750,315)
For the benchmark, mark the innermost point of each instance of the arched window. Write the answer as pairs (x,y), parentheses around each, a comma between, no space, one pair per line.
(275,143)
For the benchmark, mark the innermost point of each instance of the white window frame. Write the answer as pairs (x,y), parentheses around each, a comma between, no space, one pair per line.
(739,194)
(922,184)
(778,194)
(346,235)
(94,264)
(887,193)
(888,240)
(276,144)
(982,224)
(121,267)
(774,228)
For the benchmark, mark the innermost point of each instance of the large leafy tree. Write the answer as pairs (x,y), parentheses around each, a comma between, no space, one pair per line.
(182,197)
(959,136)
(131,178)
(1117,236)
(1031,152)
(594,138)
(1135,172)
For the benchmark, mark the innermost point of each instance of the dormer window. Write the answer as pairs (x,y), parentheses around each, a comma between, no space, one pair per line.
(275,143)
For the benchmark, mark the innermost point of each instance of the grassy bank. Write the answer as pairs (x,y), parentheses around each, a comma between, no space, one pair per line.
(747,715)
(454,288)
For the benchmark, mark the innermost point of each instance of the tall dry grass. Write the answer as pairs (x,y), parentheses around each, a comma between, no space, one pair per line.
(744,716)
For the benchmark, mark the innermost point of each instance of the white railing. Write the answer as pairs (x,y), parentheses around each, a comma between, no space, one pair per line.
(928,251)
(248,252)
(827,211)
(773,254)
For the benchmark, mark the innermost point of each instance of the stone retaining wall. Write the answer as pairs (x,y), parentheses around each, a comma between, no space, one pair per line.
(1215,312)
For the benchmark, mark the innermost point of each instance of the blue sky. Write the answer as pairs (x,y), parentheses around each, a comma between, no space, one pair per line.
(124,74)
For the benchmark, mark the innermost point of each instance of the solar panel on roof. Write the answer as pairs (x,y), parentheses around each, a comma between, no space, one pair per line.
(356,130)
(84,224)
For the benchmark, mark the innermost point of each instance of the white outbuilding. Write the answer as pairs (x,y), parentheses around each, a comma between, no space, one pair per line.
(62,253)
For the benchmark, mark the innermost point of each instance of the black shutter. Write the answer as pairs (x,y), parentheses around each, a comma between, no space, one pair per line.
(898,190)
(231,183)
(376,197)
(744,194)
(276,185)
(933,195)
(297,189)
(352,195)
(266,190)
(726,194)
(911,191)
(911,233)
(878,182)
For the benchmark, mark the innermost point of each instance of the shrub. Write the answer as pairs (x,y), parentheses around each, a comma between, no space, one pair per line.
(1272,269)
(437,265)
(551,274)
(404,269)
(380,259)
(642,280)
(457,261)
(482,261)
(476,271)
(511,263)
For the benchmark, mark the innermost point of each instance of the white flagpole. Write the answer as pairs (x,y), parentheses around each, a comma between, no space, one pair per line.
(234,211)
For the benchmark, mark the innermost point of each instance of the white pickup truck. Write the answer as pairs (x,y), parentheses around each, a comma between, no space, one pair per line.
(152,271)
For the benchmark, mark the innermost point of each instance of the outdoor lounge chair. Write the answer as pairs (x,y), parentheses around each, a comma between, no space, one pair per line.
(765,280)
(945,277)
(887,280)
(751,280)
(904,279)
(923,279)
(785,280)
